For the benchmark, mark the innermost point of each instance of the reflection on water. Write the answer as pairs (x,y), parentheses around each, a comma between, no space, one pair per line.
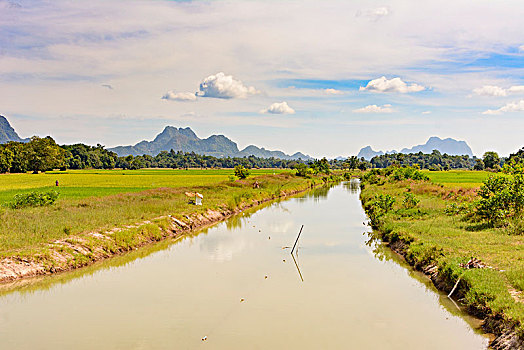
(353,186)
(235,284)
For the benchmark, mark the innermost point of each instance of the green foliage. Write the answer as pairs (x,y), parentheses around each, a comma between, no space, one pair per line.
(501,197)
(34,199)
(321,166)
(44,154)
(406,173)
(410,201)
(302,169)
(433,161)
(241,172)
(479,165)
(491,160)
(80,156)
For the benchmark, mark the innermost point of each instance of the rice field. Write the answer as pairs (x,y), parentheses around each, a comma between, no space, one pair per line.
(76,184)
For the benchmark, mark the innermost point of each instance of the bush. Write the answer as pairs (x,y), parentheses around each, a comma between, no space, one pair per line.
(410,201)
(241,172)
(33,199)
(406,173)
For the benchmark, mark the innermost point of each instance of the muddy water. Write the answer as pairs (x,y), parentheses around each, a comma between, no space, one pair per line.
(237,285)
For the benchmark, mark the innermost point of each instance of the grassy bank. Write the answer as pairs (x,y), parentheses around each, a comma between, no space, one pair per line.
(76,231)
(434,239)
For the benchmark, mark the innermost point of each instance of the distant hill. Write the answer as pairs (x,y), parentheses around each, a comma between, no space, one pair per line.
(449,146)
(7,133)
(184,139)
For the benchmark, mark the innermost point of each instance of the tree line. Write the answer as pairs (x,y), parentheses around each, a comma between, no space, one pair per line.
(43,154)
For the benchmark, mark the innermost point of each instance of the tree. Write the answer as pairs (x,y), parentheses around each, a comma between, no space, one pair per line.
(321,166)
(241,172)
(479,164)
(6,159)
(302,169)
(44,154)
(491,160)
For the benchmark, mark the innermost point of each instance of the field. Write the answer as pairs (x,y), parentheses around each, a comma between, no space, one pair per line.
(76,184)
(97,200)
(429,236)
(458,178)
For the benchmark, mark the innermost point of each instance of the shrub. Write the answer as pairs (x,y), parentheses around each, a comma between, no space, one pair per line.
(241,172)
(33,199)
(410,201)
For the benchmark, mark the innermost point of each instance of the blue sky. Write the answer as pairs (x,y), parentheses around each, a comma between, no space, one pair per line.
(324,78)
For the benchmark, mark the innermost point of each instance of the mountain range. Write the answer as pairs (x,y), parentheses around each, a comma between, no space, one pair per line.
(449,146)
(7,133)
(184,139)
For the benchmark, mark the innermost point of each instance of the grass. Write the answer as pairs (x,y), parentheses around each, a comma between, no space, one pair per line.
(92,209)
(458,178)
(76,184)
(450,240)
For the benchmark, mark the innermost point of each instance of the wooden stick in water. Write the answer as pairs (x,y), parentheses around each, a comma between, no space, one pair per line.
(296,241)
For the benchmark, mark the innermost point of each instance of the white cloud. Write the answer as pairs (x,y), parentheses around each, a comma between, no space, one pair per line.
(517,89)
(490,90)
(374,109)
(393,85)
(426,112)
(521,48)
(373,14)
(224,86)
(333,92)
(179,96)
(279,108)
(510,107)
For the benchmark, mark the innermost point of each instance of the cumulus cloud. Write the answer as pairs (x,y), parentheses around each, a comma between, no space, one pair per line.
(179,96)
(374,109)
(426,112)
(517,89)
(492,90)
(510,107)
(521,48)
(373,14)
(225,86)
(333,92)
(393,85)
(279,108)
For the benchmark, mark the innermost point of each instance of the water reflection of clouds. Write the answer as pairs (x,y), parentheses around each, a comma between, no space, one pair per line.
(224,246)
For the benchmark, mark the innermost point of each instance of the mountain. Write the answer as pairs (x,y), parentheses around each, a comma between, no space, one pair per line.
(7,133)
(449,146)
(184,139)
(368,153)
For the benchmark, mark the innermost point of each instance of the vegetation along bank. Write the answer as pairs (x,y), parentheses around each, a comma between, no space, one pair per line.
(467,237)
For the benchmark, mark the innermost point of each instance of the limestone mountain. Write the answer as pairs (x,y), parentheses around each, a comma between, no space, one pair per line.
(7,133)
(185,140)
(449,146)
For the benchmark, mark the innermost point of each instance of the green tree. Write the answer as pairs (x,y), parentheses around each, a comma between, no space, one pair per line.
(479,164)
(241,172)
(44,154)
(6,159)
(491,160)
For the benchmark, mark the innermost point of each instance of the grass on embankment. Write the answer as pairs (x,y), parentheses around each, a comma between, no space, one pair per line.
(432,237)
(76,184)
(24,230)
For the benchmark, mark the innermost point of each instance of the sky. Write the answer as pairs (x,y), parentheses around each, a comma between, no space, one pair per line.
(322,77)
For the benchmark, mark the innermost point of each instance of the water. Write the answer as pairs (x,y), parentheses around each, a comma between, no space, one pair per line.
(237,285)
